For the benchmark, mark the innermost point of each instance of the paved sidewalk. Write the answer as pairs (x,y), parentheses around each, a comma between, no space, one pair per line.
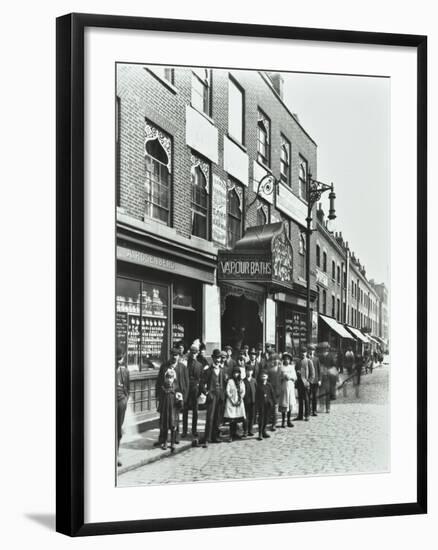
(137,449)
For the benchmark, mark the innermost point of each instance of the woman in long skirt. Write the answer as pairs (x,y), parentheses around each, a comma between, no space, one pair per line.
(287,402)
(234,404)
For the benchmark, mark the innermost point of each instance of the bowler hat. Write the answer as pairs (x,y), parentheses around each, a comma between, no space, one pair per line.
(216,353)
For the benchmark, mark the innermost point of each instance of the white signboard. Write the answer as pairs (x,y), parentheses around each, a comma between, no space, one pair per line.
(291,205)
(219,211)
(201,134)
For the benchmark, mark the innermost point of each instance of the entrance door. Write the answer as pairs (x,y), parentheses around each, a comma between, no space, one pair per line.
(241,323)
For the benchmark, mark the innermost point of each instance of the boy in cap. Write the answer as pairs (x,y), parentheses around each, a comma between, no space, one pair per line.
(264,401)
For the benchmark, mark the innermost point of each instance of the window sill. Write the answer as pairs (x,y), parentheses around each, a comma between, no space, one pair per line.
(162,80)
(236,142)
(264,166)
(207,117)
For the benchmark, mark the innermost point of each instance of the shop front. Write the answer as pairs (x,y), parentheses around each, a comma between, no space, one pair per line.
(159,302)
(249,276)
(360,340)
(335,334)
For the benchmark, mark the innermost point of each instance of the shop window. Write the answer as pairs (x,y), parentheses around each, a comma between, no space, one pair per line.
(302,176)
(200,175)
(324,302)
(235,111)
(185,303)
(201,90)
(158,176)
(324,262)
(263,138)
(234,216)
(142,322)
(285,161)
(318,256)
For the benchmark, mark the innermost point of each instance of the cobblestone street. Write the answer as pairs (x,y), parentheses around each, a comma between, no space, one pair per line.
(353,438)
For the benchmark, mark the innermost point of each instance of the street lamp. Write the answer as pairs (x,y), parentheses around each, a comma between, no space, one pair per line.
(314,191)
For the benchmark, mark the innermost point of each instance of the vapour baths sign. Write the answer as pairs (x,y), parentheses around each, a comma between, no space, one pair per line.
(245,267)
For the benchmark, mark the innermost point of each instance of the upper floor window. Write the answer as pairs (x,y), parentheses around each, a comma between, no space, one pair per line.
(235,202)
(200,183)
(201,90)
(235,111)
(158,162)
(285,161)
(302,256)
(166,73)
(338,275)
(318,256)
(338,309)
(263,138)
(324,302)
(324,262)
(333,270)
(333,306)
(302,176)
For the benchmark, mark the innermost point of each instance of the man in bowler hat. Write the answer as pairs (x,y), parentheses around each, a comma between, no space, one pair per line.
(214,389)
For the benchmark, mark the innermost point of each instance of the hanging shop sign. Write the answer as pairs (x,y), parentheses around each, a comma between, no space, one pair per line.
(263,255)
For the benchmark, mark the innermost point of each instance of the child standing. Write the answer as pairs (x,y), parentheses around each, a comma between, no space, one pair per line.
(265,401)
(170,403)
(234,404)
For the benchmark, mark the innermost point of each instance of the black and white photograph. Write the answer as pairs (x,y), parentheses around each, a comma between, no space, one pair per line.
(253,270)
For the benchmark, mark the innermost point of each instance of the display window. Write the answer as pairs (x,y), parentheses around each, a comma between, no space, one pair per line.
(142,322)
(186,313)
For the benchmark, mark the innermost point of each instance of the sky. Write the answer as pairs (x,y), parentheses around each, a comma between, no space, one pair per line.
(349,119)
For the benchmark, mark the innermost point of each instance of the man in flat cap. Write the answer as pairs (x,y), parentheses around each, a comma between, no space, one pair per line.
(214,389)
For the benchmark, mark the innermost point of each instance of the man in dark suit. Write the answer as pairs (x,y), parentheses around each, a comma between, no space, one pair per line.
(229,362)
(266,356)
(214,389)
(194,371)
(305,372)
(253,363)
(182,386)
(249,399)
(315,381)
(122,389)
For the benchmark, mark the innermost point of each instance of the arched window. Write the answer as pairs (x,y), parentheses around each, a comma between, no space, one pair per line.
(324,302)
(324,262)
(302,176)
(262,218)
(157,184)
(285,161)
(234,217)
(199,203)
(302,256)
(263,129)
(318,256)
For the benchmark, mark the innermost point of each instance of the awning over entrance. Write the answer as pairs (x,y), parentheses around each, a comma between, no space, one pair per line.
(337,327)
(264,255)
(357,334)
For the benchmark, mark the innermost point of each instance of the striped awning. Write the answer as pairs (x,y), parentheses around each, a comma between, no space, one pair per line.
(357,334)
(336,327)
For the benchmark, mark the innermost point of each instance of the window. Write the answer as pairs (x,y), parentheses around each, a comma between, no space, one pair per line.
(263,130)
(318,299)
(352,288)
(324,302)
(318,256)
(302,176)
(166,73)
(324,262)
(200,176)
(234,216)
(333,270)
(352,317)
(338,309)
(338,275)
(201,90)
(333,306)
(285,161)
(262,217)
(158,177)
(235,111)
(302,257)
(344,312)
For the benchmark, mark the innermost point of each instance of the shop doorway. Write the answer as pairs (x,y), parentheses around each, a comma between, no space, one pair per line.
(241,323)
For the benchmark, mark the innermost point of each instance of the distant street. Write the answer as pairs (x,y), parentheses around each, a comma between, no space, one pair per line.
(353,438)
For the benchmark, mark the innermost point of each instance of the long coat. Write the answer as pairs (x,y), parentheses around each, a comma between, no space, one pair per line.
(287,401)
(274,380)
(169,405)
(234,404)
(194,371)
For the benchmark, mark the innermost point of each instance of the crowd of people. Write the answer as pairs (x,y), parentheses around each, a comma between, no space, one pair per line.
(243,389)
(253,387)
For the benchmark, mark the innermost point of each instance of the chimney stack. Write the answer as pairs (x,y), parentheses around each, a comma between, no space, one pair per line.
(278,83)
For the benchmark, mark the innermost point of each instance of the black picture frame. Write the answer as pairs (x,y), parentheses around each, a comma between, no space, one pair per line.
(70,272)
